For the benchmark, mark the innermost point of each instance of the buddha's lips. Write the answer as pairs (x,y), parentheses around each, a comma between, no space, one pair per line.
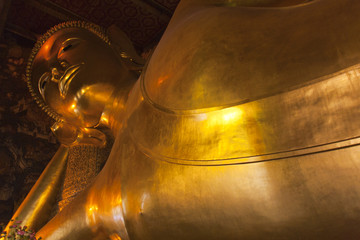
(66,79)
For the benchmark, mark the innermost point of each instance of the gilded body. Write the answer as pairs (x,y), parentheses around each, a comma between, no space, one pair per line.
(242,126)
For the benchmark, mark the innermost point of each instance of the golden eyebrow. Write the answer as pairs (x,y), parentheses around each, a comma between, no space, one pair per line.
(64,43)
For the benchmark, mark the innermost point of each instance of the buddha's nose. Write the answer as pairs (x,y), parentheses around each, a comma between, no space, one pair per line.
(55,75)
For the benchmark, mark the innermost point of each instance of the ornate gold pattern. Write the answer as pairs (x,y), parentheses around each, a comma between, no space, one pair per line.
(84,163)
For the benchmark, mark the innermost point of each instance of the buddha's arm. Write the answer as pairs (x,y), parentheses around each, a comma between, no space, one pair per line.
(96,213)
(73,222)
(35,210)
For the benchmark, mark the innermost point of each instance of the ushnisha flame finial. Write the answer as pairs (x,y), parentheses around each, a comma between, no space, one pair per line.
(97,30)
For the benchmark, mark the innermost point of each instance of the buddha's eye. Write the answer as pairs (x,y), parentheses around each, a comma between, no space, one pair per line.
(44,79)
(43,84)
(67,47)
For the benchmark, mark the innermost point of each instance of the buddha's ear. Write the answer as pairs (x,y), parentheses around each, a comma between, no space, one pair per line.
(70,135)
(125,49)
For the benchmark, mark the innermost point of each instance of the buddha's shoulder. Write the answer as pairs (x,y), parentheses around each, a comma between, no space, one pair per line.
(222,56)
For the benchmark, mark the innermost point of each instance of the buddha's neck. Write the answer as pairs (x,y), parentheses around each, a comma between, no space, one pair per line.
(114,109)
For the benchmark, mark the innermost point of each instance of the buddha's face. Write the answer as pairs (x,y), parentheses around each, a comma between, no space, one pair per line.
(75,72)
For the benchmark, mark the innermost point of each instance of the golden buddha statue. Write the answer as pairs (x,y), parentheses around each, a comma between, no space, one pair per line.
(241,126)
(84,149)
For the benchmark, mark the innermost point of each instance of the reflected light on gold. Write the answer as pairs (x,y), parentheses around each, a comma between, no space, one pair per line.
(162,79)
(93,208)
(201,117)
(231,114)
(91,213)
(115,236)
(104,119)
(118,213)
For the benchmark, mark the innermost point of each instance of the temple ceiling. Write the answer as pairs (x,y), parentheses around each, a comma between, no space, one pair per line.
(143,21)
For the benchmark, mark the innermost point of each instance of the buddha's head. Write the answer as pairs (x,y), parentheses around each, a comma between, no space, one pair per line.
(73,71)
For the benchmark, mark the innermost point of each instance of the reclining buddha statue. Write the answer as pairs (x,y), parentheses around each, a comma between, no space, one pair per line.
(242,125)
